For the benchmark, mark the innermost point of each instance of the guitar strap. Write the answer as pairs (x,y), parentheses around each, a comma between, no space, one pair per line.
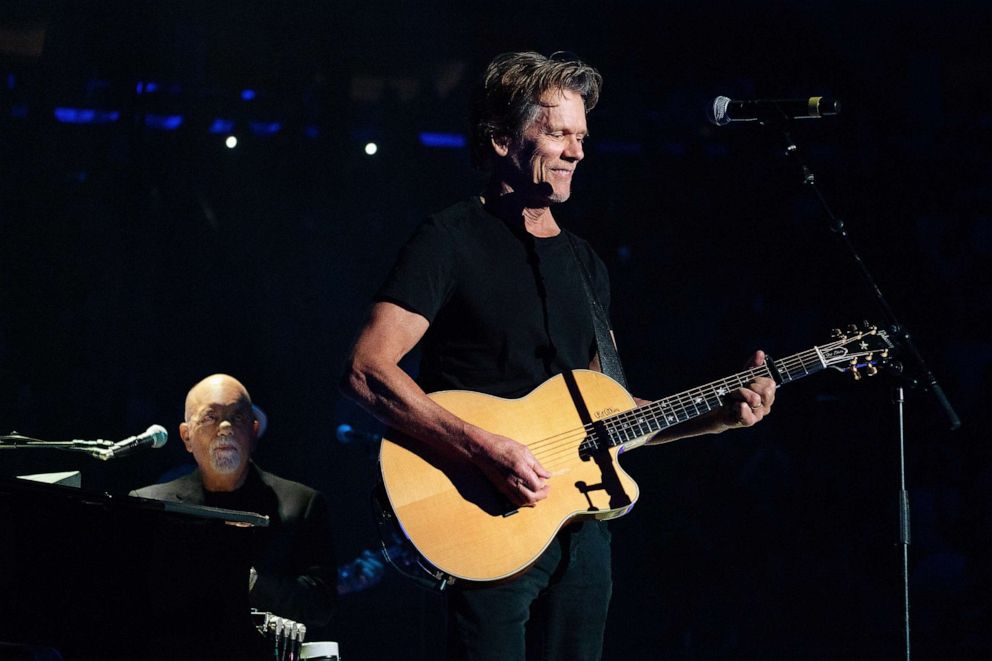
(609,360)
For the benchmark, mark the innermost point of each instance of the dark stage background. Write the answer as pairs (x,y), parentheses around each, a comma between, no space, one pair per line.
(139,254)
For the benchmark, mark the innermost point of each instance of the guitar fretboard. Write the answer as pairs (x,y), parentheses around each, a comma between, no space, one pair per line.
(676,409)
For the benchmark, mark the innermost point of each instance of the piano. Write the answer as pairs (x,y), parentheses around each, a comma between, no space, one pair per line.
(101,577)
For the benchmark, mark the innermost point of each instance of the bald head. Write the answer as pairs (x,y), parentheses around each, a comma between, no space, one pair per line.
(211,387)
(220,431)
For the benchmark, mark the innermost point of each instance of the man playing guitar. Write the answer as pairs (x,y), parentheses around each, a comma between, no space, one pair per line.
(492,289)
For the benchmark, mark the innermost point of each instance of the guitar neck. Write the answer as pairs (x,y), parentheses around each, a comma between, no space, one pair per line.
(676,409)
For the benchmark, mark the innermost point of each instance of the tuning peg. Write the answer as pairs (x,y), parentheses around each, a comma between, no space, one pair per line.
(852,328)
(836,332)
(855,373)
(871,369)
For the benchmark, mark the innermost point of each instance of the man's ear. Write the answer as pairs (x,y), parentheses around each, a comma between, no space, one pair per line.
(184,434)
(501,144)
(255,427)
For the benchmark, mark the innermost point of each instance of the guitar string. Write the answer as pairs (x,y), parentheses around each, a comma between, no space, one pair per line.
(551,448)
(564,441)
(565,449)
(652,408)
(587,438)
(563,444)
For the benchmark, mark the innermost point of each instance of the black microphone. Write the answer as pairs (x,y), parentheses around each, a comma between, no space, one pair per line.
(348,435)
(155,437)
(725,110)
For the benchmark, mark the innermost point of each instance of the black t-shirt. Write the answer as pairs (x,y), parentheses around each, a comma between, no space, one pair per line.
(507,310)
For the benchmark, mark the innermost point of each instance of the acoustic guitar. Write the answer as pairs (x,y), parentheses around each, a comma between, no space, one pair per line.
(576,424)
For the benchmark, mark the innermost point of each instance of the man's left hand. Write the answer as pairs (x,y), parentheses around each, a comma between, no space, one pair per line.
(748,405)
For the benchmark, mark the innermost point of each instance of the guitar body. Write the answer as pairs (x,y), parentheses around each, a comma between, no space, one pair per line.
(575,424)
(462,525)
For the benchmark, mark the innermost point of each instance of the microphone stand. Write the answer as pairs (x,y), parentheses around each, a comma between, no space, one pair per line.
(897,330)
(98,448)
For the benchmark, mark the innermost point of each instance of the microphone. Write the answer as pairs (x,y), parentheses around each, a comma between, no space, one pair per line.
(725,110)
(348,435)
(155,436)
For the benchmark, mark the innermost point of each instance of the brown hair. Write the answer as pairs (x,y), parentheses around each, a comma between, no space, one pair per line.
(508,96)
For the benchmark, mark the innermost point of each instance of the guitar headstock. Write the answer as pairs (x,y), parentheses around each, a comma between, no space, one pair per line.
(857,350)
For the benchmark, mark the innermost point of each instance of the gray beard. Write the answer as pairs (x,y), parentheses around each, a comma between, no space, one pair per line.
(226,463)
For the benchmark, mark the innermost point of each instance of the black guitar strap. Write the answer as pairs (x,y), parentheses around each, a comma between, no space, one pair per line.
(609,360)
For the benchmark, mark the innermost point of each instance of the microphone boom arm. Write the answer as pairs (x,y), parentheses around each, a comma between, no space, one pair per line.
(896,327)
(97,448)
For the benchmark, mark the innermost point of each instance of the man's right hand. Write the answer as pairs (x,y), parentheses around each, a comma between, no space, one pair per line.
(375,380)
(512,469)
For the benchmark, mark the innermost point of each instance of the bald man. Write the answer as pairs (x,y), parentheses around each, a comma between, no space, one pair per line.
(294,574)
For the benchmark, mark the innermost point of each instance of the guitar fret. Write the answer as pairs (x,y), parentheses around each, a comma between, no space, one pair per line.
(665,413)
(675,409)
(590,442)
(634,425)
(692,402)
(697,399)
(800,365)
(684,406)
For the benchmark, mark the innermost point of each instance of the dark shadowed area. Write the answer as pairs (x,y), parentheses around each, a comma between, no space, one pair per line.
(139,253)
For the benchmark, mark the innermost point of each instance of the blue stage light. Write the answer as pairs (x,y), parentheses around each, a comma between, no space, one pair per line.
(86,116)
(265,128)
(443,140)
(220,125)
(247,95)
(163,122)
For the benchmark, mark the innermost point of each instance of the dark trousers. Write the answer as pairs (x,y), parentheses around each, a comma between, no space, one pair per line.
(556,610)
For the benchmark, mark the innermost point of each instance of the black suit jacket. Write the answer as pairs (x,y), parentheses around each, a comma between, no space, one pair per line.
(297,575)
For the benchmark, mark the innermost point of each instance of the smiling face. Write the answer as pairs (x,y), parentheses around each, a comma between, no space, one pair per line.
(540,164)
(220,431)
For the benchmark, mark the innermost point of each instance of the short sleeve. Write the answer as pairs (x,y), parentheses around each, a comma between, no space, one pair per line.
(421,279)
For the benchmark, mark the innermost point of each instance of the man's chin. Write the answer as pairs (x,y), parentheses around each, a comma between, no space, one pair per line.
(555,195)
(227,462)
(545,196)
